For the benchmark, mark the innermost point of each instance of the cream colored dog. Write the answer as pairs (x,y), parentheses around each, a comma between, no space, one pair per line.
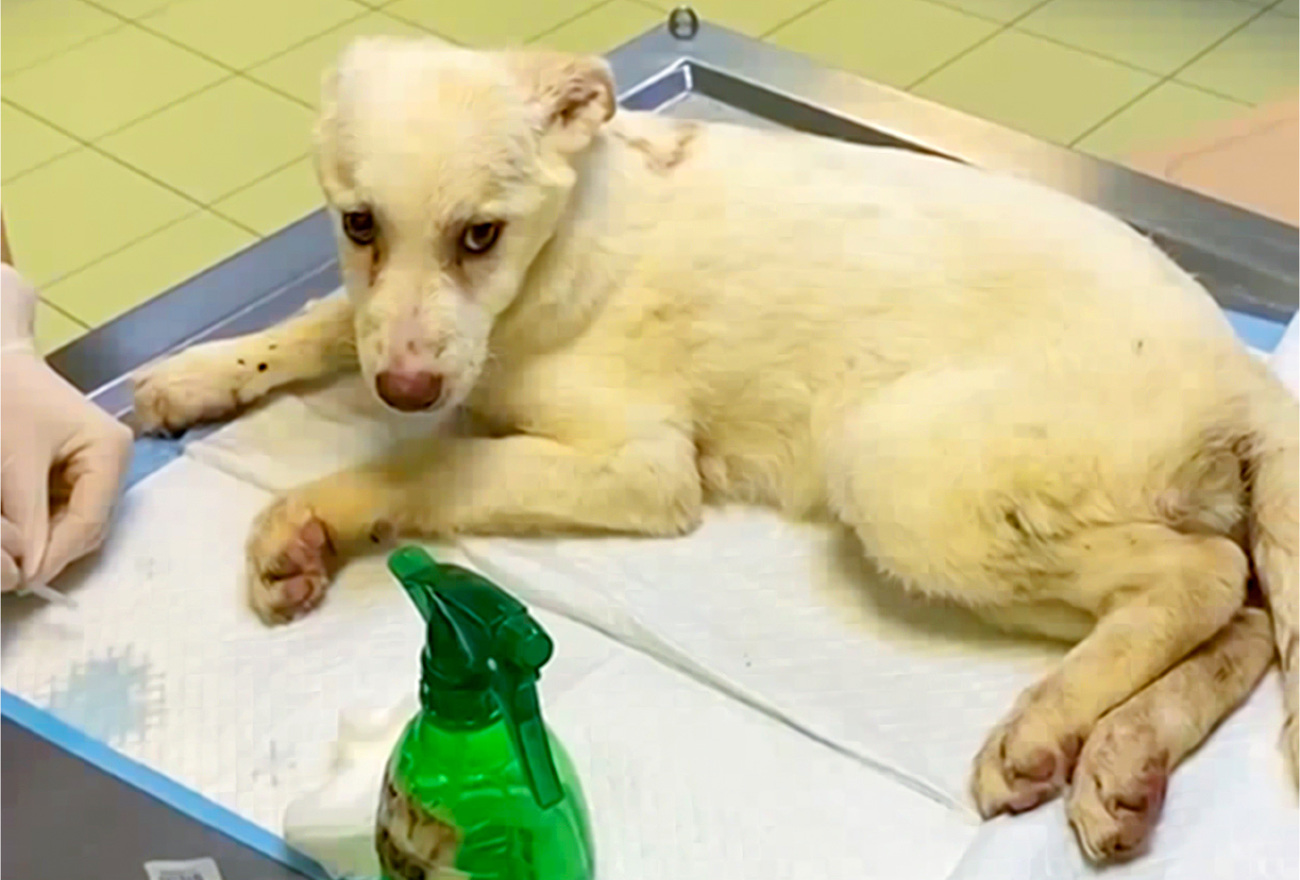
(1015,401)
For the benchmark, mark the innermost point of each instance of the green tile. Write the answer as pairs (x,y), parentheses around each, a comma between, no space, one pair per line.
(241,33)
(298,71)
(1035,86)
(1288,7)
(142,270)
(603,29)
(28,142)
(895,43)
(1004,11)
(1171,113)
(39,29)
(755,18)
(55,329)
(134,74)
(274,202)
(217,141)
(489,23)
(1156,35)
(79,208)
(1256,64)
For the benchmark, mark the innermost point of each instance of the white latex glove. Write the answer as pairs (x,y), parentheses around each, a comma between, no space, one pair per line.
(48,426)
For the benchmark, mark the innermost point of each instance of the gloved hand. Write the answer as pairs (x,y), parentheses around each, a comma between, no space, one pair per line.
(49,430)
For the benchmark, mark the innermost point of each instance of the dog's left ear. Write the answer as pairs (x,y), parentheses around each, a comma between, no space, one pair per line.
(574,95)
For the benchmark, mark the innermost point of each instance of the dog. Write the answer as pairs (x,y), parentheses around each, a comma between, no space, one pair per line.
(1015,401)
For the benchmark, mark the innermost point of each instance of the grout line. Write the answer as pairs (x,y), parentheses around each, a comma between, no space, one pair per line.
(600,4)
(66,49)
(1006,26)
(415,24)
(211,206)
(1169,77)
(84,267)
(808,10)
(53,306)
(63,276)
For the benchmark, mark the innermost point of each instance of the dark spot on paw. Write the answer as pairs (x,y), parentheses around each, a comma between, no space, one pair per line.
(242,362)
(261,368)
(1013,519)
(1137,346)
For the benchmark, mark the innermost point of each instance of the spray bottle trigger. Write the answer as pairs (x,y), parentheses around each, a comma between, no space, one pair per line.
(516,694)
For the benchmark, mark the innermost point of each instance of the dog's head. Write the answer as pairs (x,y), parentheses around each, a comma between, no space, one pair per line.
(446,172)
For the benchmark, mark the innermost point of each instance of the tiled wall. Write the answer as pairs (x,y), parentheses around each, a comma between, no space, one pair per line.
(144,140)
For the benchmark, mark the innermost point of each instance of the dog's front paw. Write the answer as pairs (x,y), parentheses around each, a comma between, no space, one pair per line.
(1025,762)
(291,560)
(1118,788)
(201,384)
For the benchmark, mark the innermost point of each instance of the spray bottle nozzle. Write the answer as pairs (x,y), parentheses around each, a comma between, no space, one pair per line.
(481,660)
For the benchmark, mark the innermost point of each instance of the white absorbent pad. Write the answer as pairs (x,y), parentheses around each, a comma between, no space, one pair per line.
(790,619)
(162,659)
(771,620)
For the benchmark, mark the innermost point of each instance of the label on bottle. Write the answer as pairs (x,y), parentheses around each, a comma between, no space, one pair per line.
(195,869)
(412,843)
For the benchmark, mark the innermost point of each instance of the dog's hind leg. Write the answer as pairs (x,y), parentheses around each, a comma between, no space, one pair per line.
(1157,594)
(216,379)
(1119,783)
(987,488)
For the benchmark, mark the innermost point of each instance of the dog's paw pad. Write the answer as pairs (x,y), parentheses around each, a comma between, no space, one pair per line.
(1118,790)
(291,560)
(1023,764)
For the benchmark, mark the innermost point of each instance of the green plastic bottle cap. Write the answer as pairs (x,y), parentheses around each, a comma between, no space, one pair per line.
(482,656)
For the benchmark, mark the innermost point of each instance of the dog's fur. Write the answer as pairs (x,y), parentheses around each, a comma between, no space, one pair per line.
(1015,401)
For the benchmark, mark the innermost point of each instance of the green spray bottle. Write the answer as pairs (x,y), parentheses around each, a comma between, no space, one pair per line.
(477,786)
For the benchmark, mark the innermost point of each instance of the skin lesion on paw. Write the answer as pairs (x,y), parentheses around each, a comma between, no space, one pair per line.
(292,559)
(1118,791)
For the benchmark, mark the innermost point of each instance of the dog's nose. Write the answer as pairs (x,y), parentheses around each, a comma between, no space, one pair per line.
(409,392)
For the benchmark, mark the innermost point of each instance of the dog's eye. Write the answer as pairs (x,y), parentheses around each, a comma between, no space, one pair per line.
(359,226)
(479,238)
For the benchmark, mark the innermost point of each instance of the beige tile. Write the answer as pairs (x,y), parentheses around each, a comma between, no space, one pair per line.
(28,142)
(79,208)
(141,271)
(55,329)
(241,33)
(1255,64)
(604,28)
(489,23)
(893,43)
(109,82)
(1036,86)
(35,30)
(1156,35)
(274,202)
(1170,113)
(217,141)
(298,71)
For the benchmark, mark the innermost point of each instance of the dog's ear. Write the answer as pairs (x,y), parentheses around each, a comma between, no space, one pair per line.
(574,95)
